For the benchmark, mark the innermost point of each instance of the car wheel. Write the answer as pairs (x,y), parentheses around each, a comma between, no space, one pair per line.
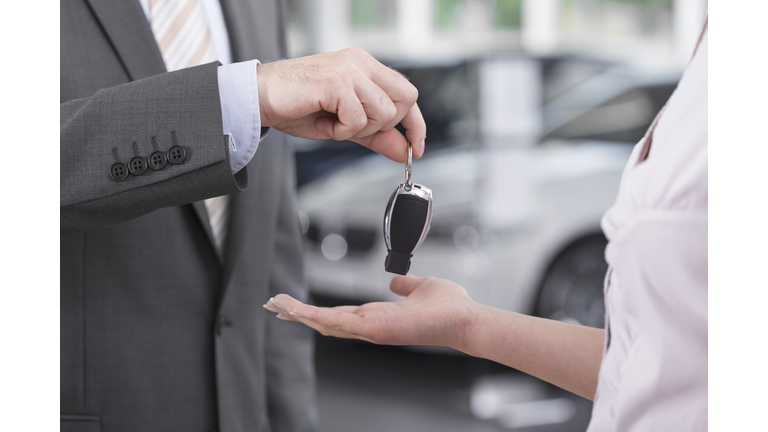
(572,289)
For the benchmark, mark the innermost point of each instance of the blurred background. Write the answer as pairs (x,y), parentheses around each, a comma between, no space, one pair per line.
(532,110)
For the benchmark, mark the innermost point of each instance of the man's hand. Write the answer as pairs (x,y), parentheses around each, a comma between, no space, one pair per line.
(343,95)
(435,312)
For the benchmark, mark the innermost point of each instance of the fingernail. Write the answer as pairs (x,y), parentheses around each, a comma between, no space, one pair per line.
(276,304)
(423,145)
(296,315)
(283,317)
(272,299)
(270,307)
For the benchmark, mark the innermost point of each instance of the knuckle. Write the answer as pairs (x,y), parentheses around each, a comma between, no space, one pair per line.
(356,114)
(339,79)
(400,74)
(359,121)
(411,94)
(391,112)
(357,52)
(387,108)
(353,54)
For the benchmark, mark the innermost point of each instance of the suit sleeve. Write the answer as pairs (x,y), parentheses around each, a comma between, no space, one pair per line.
(171,121)
(289,346)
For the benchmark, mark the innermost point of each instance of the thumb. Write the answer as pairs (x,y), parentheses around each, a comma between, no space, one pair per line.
(405,285)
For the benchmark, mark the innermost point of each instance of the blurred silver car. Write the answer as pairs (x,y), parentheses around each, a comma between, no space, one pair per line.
(517,225)
(556,250)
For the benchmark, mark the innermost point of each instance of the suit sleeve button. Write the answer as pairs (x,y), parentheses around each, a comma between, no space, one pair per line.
(137,166)
(157,160)
(118,172)
(176,155)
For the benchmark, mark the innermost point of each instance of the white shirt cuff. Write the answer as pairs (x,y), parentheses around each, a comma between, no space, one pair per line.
(239,95)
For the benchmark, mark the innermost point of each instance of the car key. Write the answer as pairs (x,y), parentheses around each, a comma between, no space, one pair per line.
(407,220)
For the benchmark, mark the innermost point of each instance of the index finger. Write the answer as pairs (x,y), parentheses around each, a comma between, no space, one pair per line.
(393,144)
(415,130)
(392,81)
(339,318)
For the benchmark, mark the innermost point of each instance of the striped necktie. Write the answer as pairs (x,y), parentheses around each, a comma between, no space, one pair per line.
(182,34)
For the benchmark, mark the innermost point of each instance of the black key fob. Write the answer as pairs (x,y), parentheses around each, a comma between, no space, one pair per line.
(407,220)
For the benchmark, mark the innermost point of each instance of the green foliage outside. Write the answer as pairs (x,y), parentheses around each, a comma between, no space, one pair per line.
(372,13)
(506,13)
(645,4)
(445,13)
(648,4)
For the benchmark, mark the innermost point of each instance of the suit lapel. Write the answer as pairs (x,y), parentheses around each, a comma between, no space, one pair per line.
(253,32)
(127,28)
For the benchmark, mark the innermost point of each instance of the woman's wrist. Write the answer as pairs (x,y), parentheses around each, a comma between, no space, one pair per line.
(472,323)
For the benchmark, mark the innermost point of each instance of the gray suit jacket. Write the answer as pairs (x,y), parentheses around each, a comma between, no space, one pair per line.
(157,333)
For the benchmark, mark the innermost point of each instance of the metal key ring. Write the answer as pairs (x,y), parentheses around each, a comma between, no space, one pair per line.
(408,168)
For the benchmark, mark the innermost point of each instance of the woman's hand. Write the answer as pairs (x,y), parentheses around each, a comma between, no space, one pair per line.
(435,312)
(438,312)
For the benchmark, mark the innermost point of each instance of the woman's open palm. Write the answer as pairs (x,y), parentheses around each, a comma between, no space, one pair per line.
(435,312)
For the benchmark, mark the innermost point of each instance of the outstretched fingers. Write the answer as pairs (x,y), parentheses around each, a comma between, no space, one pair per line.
(340,321)
(326,330)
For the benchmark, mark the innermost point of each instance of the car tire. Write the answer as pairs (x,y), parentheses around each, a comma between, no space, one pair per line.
(572,288)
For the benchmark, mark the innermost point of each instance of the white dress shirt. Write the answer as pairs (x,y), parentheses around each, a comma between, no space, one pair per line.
(653,375)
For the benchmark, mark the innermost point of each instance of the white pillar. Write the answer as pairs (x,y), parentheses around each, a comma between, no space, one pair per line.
(687,18)
(539,25)
(510,97)
(510,121)
(414,26)
(331,25)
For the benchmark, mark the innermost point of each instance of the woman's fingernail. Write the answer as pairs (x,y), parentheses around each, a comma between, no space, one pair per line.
(423,146)
(283,317)
(296,315)
(270,307)
(277,304)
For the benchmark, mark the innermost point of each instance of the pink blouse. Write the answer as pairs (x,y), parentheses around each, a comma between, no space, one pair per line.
(653,375)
